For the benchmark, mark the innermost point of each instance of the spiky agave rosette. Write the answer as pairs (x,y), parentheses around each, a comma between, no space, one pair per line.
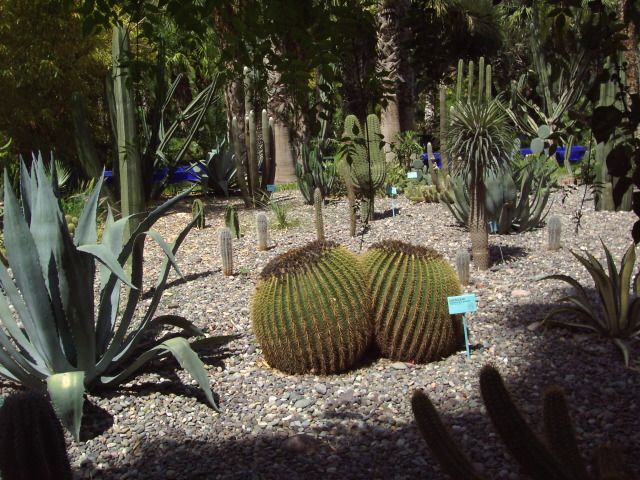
(310,310)
(409,286)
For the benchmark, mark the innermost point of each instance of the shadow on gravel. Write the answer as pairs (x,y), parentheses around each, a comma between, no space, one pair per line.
(504,253)
(179,281)
(387,214)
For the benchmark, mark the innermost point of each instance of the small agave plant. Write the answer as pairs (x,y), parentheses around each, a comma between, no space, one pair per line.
(55,335)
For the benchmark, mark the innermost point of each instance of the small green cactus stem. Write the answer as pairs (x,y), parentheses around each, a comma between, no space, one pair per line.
(197,211)
(231,220)
(523,444)
(262,228)
(32,443)
(268,170)
(463,259)
(310,310)
(254,176)
(554,231)
(438,437)
(317,205)
(226,251)
(409,286)
(444,156)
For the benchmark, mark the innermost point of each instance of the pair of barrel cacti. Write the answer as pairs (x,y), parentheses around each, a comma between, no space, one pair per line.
(317,308)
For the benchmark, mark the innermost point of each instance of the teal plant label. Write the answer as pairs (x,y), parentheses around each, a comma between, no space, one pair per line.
(462,304)
(412,174)
(271,188)
(392,191)
(493,226)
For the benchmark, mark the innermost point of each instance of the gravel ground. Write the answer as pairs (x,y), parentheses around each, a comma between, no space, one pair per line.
(359,424)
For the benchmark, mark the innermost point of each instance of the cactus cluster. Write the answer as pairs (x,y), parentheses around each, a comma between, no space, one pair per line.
(72,223)
(31,440)
(316,308)
(364,161)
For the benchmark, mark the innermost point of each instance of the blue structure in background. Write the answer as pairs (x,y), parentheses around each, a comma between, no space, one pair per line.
(181,173)
(577,153)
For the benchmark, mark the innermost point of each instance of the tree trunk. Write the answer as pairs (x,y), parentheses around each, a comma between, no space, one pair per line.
(630,53)
(234,100)
(430,113)
(478,230)
(407,75)
(279,106)
(389,51)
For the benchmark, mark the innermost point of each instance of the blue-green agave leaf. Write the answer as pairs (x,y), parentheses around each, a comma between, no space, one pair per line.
(166,249)
(86,229)
(66,391)
(104,256)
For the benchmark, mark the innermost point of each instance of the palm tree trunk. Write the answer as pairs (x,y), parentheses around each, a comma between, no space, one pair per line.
(278,105)
(407,80)
(478,230)
(630,53)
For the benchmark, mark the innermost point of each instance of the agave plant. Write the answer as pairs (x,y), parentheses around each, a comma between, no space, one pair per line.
(620,318)
(54,335)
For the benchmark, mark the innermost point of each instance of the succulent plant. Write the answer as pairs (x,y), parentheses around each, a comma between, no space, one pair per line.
(315,171)
(197,213)
(554,232)
(231,220)
(317,204)
(463,260)
(409,286)
(262,227)
(225,241)
(31,440)
(310,310)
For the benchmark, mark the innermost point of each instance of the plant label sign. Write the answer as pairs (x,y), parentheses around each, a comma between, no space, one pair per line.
(271,188)
(412,174)
(393,191)
(463,304)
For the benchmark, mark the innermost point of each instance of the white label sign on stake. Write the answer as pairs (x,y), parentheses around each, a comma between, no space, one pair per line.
(463,304)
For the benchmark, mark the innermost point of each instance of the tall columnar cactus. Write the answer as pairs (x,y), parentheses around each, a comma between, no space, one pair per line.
(554,232)
(231,220)
(268,154)
(197,211)
(31,440)
(365,160)
(409,286)
(226,251)
(481,91)
(317,205)
(310,310)
(463,259)
(444,153)
(254,175)
(262,227)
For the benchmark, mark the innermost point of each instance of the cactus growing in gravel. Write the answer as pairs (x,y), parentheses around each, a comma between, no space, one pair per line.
(197,211)
(554,230)
(262,227)
(32,444)
(317,205)
(226,251)
(310,310)
(365,160)
(463,259)
(409,286)
(231,220)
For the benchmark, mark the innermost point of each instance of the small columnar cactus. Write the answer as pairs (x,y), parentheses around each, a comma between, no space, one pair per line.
(463,259)
(310,311)
(197,212)
(554,230)
(317,205)
(226,251)
(31,440)
(262,227)
(231,220)
(409,286)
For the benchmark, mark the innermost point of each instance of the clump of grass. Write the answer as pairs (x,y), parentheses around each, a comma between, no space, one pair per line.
(281,209)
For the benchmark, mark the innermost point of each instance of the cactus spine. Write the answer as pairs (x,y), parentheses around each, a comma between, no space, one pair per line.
(310,310)
(317,205)
(409,286)
(197,211)
(226,251)
(262,228)
(231,220)
(554,232)
(31,440)
(463,260)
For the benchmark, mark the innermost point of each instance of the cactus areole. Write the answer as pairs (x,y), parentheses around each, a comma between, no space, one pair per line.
(310,310)
(409,286)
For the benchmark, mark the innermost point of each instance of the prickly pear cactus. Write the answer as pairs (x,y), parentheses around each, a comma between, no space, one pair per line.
(310,310)
(409,286)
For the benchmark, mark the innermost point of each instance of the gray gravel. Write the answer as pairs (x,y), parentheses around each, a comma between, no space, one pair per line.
(359,424)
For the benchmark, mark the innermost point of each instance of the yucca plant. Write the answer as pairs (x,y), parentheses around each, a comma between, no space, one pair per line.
(54,335)
(619,317)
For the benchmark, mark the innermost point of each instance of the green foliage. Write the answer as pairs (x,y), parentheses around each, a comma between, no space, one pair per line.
(281,208)
(310,310)
(408,286)
(55,340)
(406,148)
(619,317)
(221,169)
(315,171)
(363,160)
(558,457)
(231,220)
(32,443)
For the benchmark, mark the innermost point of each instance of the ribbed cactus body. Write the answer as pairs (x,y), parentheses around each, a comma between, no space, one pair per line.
(554,231)
(197,211)
(262,227)
(32,444)
(317,205)
(226,251)
(409,286)
(310,310)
